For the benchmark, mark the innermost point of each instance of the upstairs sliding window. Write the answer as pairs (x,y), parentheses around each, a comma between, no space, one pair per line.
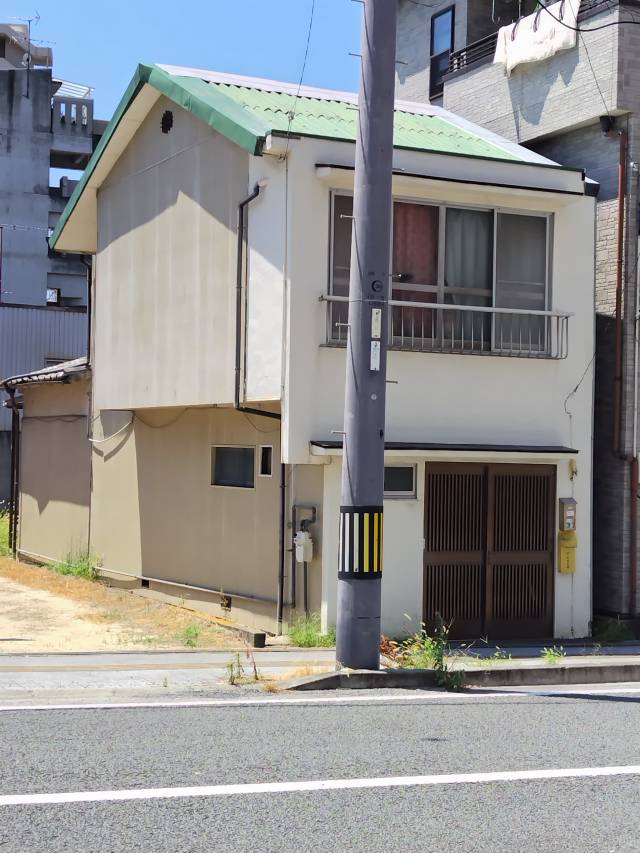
(481,260)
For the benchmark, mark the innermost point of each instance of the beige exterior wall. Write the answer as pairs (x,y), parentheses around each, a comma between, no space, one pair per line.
(156,514)
(165,268)
(55,471)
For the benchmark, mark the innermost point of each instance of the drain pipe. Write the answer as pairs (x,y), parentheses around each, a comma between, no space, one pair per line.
(608,126)
(239,407)
(635,470)
(617,379)
(14,471)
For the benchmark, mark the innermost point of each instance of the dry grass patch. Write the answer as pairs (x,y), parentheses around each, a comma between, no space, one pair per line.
(132,620)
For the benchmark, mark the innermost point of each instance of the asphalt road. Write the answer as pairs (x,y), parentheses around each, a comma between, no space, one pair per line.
(370,746)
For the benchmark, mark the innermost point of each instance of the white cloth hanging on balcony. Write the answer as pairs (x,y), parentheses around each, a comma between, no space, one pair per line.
(538,36)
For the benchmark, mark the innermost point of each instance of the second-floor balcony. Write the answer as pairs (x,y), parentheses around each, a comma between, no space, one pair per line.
(462,329)
(483,50)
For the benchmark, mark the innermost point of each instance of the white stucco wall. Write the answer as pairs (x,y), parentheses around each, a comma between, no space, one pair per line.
(402,576)
(442,397)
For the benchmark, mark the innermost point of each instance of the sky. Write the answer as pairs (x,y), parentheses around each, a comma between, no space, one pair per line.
(100,43)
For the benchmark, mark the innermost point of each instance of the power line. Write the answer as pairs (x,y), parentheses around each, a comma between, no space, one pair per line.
(581,29)
(595,76)
(292,112)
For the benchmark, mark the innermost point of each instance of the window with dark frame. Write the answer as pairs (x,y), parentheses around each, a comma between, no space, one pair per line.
(266,461)
(441,45)
(400,481)
(233,466)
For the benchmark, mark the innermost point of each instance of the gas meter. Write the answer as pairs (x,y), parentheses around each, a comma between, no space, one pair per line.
(304,546)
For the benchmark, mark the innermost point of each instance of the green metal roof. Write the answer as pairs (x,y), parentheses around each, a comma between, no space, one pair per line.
(248,114)
(334,119)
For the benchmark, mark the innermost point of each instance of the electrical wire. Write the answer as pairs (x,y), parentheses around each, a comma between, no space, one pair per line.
(595,76)
(582,29)
(109,437)
(292,112)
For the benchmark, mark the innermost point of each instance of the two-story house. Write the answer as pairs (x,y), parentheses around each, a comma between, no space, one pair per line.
(45,124)
(218,210)
(573,95)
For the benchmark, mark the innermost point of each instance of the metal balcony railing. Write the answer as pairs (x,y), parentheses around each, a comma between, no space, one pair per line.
(484,49)
(463,329)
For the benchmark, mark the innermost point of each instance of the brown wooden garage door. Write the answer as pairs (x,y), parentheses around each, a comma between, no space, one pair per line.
(489,549)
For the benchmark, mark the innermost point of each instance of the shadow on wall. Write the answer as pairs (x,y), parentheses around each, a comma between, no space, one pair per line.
(159,171)
(529,87)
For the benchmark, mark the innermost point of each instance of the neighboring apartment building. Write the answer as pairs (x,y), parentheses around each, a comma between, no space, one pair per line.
(218,209)
(44,123)
(580,107)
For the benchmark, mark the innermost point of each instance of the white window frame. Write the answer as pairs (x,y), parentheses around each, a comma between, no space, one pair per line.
(214,447)
(403,496)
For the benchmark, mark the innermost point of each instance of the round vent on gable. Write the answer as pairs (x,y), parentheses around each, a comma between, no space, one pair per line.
(167,121)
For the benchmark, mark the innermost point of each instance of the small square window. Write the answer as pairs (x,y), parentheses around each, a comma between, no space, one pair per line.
(266,461)
(399,481)
(233,466)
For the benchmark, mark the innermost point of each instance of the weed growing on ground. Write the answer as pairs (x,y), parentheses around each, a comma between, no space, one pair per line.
(235,670)
(190,635)
(165,681)
(79,564)
(553,654)
(605,631)
(307,633)
(4,530)
(422,651)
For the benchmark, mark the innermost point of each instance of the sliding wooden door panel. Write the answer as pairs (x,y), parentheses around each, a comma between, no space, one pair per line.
(489,555)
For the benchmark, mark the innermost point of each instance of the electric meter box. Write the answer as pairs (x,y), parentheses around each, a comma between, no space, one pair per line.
(304,546)
(567,519)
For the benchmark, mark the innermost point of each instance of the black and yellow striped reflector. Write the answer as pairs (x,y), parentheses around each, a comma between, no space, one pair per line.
(361,541)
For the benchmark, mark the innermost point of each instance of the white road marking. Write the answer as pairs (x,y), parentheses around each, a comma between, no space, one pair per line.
(314,785)
(241,703)
(324,700)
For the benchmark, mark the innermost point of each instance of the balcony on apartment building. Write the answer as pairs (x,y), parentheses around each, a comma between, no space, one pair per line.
(481,50)
(532,100)
(73,126)
(495,300)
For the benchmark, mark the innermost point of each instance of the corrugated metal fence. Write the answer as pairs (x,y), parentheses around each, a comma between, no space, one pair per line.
(29,336)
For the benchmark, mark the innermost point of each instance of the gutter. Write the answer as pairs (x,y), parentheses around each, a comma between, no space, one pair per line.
(239,407)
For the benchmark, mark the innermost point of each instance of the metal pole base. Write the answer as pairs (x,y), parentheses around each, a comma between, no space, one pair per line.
(358,631)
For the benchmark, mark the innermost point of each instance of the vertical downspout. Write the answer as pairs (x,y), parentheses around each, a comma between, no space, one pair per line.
(14,494)
(634,472)
(617,379)
(12,466)
(240,255)
(281,551)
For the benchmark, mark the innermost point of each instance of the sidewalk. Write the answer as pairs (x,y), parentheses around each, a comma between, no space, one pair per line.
(59,675)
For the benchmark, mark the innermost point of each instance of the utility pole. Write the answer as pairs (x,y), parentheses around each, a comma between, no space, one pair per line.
(360,557)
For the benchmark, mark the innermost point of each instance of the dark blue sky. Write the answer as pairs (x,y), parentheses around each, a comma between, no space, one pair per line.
(100,43)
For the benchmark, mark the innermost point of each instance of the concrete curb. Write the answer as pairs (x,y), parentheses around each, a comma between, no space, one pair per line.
(411,679)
